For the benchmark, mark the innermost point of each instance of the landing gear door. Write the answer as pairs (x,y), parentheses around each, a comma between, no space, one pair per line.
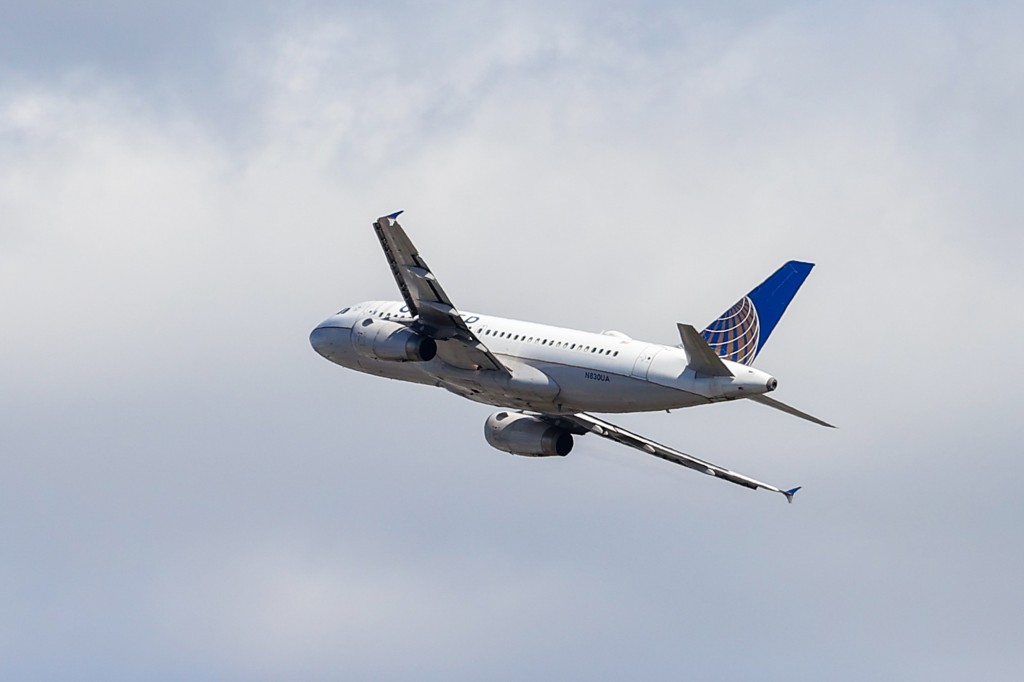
(643,361)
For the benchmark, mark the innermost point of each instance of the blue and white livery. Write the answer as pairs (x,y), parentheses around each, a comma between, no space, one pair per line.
(547,379)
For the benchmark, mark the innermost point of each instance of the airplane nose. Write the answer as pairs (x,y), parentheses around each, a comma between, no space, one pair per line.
(325,339)
(318,339)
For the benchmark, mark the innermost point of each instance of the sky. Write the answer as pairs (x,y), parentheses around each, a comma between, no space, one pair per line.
(189,492)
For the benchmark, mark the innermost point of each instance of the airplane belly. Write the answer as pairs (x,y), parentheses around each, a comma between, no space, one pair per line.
(594,390)
(526,387)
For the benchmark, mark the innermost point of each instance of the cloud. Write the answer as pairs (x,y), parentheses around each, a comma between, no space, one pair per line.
(186,480)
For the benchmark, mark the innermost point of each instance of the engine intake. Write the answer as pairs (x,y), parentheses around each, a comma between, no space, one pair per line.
(384,340)
(522,434)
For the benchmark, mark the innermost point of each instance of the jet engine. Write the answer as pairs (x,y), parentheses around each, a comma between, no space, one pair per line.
(522,434)
(384,340)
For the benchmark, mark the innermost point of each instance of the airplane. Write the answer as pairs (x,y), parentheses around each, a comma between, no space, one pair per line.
(546,380)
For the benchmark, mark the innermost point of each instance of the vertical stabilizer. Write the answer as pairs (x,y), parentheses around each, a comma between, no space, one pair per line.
(741,331)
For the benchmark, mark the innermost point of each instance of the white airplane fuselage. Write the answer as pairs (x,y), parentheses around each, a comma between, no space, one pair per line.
(547,380)
(554,370)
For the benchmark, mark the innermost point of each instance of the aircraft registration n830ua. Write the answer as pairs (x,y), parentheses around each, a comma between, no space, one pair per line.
(546,379)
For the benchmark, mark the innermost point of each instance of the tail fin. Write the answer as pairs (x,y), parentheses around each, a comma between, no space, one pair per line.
(740,332)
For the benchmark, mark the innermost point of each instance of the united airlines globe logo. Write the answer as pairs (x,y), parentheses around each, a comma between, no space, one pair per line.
(734,335)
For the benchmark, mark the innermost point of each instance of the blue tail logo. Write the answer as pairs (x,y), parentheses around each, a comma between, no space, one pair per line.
(742,330)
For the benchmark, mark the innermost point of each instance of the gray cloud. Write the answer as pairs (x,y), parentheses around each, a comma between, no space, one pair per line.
(189,490)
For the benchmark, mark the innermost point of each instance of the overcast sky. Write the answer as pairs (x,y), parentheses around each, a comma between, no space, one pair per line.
(187,491)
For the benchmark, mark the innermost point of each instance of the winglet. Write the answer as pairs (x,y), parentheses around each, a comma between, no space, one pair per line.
(790,493)
(394,215)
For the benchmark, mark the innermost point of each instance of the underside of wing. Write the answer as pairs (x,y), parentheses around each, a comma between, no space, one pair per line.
(585,423)
(435,315)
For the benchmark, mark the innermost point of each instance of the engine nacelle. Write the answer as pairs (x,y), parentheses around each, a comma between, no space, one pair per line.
(384,340)
(524,435)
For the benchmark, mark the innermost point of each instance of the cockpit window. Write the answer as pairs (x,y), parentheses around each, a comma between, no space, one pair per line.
(343,311)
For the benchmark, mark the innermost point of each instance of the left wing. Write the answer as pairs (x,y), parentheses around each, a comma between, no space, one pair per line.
(438,318)
(590,424)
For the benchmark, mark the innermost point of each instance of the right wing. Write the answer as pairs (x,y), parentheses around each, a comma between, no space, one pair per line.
(590,424)
(437,317)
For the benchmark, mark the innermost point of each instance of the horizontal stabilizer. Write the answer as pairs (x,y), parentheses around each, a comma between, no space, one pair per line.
(778,405)
(702,359)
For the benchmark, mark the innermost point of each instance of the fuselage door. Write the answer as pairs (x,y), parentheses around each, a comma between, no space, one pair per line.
(644,359)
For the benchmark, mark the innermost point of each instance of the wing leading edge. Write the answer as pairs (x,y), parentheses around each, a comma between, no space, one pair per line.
(436,316)
(599,427)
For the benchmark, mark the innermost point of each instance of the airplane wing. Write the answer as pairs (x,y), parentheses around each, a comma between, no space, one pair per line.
(425,298)
(590,424)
